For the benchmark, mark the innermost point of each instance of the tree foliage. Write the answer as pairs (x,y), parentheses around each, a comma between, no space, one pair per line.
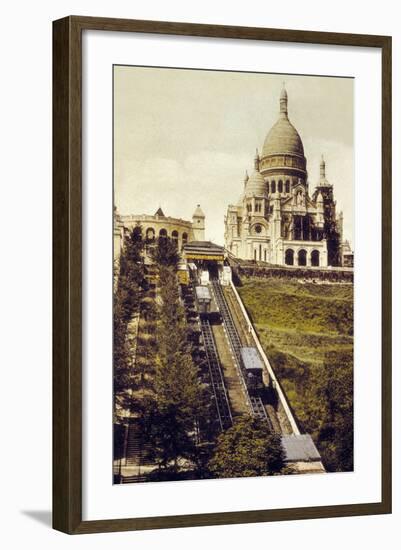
(328,406)
(165,252)
(130,284)
(179,403)
(246,449)
(175,407)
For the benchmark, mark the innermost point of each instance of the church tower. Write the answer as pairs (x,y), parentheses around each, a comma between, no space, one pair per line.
(198,224)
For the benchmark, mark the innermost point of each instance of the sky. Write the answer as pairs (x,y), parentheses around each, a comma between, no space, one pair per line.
(184,137)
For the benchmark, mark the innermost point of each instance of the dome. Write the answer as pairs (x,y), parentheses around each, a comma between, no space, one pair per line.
(198,212)
(255,185)
(283,138)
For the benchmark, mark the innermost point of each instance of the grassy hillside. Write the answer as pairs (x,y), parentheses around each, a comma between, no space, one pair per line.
(307,333)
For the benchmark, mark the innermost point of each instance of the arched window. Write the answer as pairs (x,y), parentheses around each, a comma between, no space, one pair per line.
(162,234)
(289,257)
(287,186)
(267,187)
(315,261)
(150,234)
(184,238)
(297,228)
(174,236)
(273,186)
(302,257)
(280,186)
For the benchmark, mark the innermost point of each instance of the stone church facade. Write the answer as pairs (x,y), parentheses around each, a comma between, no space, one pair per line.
(276,219)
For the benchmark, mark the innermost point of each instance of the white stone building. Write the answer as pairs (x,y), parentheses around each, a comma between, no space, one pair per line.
(276,219)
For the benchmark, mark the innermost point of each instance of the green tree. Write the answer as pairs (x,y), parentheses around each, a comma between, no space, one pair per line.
(328,410)
(165,252)
(332,235)
(120,345)
(130,286)
(131,281)
(179,404)
(169,435)
(247,449)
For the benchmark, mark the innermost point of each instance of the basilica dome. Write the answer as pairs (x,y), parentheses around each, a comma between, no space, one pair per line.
(283,138)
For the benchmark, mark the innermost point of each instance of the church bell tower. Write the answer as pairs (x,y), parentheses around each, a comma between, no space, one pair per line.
(198,224)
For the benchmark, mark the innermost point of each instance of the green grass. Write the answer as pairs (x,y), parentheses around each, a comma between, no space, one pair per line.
(309,308)
(307,332)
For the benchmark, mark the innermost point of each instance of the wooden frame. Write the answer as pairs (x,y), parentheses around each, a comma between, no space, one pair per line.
(67,310)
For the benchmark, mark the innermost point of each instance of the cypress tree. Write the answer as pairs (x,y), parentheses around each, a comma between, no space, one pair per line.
(179,402)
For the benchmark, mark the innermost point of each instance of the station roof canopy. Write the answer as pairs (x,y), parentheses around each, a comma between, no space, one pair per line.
(299,448)
(203,250)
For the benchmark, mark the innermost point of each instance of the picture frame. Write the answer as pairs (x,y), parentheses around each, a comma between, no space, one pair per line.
(67,273)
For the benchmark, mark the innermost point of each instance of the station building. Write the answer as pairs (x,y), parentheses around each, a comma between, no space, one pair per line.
(179,230)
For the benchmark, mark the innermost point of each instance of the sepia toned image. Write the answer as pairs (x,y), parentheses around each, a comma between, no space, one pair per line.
(233,277)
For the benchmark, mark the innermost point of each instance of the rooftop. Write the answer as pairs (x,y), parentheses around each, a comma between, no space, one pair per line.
(198,212)
(159,212)
(204,245)
(299,448)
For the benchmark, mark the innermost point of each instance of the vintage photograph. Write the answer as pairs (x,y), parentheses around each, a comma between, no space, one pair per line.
(233,259)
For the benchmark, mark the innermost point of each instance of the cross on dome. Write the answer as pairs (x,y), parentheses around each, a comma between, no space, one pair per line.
(283,101)
(283,138)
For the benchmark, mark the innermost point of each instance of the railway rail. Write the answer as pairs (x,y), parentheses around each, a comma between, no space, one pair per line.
(216,377)
(255,402)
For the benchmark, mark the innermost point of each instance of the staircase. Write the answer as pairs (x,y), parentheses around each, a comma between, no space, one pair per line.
(136,450)
(133,450)
(134,479)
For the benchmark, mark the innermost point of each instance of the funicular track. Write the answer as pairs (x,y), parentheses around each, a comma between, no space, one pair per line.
(216,376)
(255,402)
